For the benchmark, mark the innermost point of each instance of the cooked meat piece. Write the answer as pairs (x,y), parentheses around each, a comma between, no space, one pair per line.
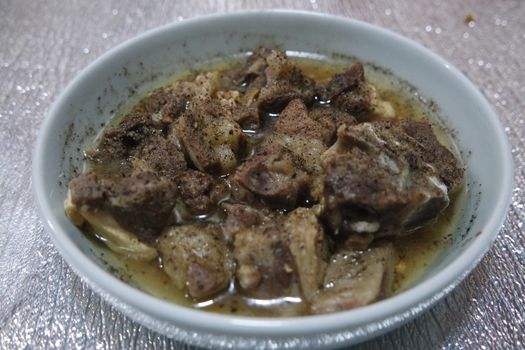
(142,203)
(284,82)
(199,191)
(305,139)
(162,156)
(378,182)
(164,104)
(343,82)
(85,203)
(86,191)
(253,68)
(265,267)
(211,140)
(119,142)
(305,239)
(118,238)
(195,257)
(242,216)
(268,82)
(350,92)
(331,119)
(294,120)
(356,278)
(198,149)
(273,176)
(239,109)
(432,152)
(150,120)
(204,86)
(277,256)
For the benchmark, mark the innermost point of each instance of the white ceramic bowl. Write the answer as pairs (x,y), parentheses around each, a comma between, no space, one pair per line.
(99,90)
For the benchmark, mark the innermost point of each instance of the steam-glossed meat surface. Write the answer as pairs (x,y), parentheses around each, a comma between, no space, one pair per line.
(356,278)
(378,180)
(196,258)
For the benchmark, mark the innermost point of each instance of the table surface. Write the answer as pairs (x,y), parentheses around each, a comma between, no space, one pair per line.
(44,44)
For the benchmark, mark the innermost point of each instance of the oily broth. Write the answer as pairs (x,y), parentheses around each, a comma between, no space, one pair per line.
(415,252)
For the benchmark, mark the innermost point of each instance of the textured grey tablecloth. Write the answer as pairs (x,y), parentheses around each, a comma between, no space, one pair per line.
(44,44)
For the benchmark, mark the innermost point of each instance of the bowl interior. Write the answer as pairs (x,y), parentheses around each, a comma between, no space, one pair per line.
(133,68)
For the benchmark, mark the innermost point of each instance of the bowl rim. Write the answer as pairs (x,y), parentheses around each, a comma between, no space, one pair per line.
(183,316)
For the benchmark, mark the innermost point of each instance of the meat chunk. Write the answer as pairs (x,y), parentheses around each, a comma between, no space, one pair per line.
(142,203)
(433,153)
(86,191)
(164,104)
(356,278)
(86,203)
(378,182)
(269,80)
(305,139)
(162,156)
(330,120)
(196,258)
(273,176)
(305,239)
(120,142)
(253,68)
(265,266)
(240,217)
(239,108)
(211,140)
(199,191)
(284,82)
(350,92)
(295,121)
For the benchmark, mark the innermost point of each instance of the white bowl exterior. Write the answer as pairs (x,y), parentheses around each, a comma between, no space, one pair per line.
(90,99)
